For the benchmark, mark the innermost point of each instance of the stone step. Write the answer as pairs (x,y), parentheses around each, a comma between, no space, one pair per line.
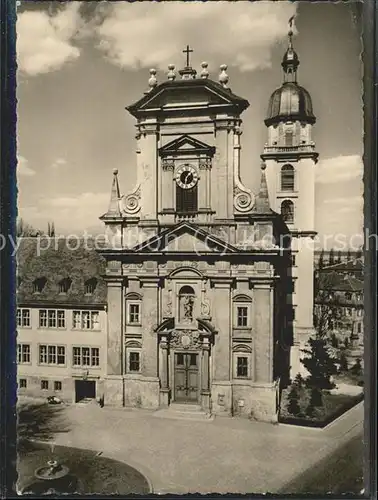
(195,413)
(185,407)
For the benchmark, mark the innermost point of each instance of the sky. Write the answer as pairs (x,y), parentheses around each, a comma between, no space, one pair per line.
(81,63)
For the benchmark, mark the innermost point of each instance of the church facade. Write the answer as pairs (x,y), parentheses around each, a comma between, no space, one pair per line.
(199,274)
(207,289)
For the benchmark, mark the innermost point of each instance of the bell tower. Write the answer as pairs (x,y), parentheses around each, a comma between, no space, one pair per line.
(290,157)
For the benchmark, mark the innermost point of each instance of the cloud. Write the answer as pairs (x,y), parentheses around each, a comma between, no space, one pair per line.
(59,162)
(339,169)
(146,34)
(23,168)
(75,213)
(44,41)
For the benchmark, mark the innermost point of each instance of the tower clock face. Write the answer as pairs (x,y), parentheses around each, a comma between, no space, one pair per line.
(186,177)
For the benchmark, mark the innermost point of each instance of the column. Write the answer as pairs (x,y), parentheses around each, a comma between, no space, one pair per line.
(149,323)
(263,339)
(164,386)
(205,379)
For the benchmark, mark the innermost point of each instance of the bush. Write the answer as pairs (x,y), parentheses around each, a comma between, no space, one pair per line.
(343,362)
(293,397)
(357,369)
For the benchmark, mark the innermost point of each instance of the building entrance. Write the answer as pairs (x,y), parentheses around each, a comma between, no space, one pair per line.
(186,377)
(84,389)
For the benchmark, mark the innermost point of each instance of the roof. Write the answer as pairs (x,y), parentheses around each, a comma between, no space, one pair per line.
(56,259)
(339,282)
(352,265)
(170,96)
(290,102)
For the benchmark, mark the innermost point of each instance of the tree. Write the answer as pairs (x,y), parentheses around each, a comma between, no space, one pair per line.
(321,259)
(319,363)
(339,257)
(331,257)
(349,255)
(50,229)
(25,230)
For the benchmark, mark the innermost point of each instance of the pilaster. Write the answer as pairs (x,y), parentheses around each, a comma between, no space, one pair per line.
(115,327)
(150,319)
(263,331)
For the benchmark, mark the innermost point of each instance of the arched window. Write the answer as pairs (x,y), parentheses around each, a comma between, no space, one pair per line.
(242,361)
(287,178)
(287,211)
(186,304)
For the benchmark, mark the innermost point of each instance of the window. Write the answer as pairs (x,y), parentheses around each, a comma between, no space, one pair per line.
(64,285)
(23,318)
(242,361)
(287,178)
(359,328)
(86,356)
(242,366)
(52,318)
(287,211)
(187,200)
(22,383)
(52,355)
(90,286)
(39,285)
(134,361)
(348,296)
(23,353)
(44,385)
(242,316)
(86,320)
(293,260)
(134,314)
(289,138)
(57,385)
(61,319)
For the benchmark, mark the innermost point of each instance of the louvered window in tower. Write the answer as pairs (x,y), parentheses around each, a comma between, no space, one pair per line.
(287,211)
(187,200)
(287,178)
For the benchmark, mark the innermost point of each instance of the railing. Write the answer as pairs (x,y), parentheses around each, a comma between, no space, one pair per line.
(186,217)
(290,149)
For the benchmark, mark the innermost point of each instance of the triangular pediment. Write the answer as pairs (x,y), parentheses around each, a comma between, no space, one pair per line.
(186,145)
(186,238)
(185,95)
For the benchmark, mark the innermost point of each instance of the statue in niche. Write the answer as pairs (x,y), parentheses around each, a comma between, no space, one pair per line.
(186,303)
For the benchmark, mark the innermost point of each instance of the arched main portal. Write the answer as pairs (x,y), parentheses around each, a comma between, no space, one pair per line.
(184,362)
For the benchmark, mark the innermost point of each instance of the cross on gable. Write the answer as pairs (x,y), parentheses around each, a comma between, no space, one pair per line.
(187,51)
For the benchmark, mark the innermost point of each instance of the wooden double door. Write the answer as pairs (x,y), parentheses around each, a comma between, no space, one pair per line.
(186,377)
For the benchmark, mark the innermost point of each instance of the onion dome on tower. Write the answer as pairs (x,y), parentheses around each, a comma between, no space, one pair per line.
(290,102)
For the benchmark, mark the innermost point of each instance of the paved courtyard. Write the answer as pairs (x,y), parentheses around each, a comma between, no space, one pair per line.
(222,456)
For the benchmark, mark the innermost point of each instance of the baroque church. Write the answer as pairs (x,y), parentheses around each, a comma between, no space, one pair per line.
(210,285)
(203,292)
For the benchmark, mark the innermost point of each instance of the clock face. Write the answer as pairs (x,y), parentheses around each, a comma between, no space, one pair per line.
(186,176)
